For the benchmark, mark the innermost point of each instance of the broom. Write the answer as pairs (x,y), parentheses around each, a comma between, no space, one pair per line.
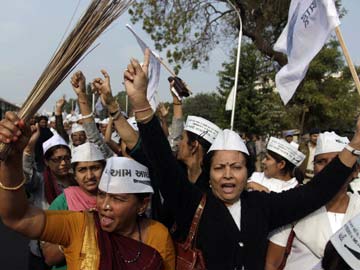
(98,16)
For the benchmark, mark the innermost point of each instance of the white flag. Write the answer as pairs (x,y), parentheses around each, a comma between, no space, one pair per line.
(98,106)
(154,69)
(77,110)
(309,25)
(230,100)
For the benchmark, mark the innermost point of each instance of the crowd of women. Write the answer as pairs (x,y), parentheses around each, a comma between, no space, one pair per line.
(108,199)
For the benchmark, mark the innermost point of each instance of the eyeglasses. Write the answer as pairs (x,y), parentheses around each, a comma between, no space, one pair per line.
(61,158)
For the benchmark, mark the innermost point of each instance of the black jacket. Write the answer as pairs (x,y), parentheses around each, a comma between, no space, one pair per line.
(223,245)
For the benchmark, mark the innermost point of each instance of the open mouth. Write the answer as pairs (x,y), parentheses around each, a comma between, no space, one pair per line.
(105,221)
(228,188)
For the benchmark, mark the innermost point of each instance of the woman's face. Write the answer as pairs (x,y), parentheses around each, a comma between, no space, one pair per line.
(59,162)
(228,175)
(118,212)
(184,148)
(320,161)
(87,175)
(272,168)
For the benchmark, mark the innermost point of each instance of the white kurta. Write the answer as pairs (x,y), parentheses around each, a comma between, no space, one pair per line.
(312,234)
(275,185)
(235,211)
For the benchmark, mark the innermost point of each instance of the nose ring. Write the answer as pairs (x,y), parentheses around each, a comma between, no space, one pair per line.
(107,206)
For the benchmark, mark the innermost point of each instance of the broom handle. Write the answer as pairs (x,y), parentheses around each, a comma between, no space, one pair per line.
(5,149)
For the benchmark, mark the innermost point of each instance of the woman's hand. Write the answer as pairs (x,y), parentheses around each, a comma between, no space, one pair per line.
(135,78)
(35,134)
(355,142)
(163,110)
(103,89)
(257,187)
(346,157)
(78,83)
(13,130)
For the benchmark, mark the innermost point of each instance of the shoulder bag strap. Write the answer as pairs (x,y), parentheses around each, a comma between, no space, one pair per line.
(195,222)
(288,248)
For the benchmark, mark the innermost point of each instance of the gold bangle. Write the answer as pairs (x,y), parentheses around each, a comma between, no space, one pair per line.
(141,120)
(177,103)
(13,188)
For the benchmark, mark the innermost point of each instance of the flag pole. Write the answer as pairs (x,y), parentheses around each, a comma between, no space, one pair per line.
(93,102)
(348,58)
(127,104)
(151,51)
(163,63)
(237,66)
(165,66)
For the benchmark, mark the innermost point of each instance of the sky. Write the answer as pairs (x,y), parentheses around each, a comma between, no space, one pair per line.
(31,30)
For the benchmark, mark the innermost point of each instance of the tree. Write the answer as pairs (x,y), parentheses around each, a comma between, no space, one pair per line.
(327,87)
(205,105)
(71,104)
(190,29)
(258,109)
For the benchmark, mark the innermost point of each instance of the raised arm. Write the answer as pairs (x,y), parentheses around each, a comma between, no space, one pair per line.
(162,112)
(294,204)
(59,124)
(126,132)
(92,134)
(15,210)
(177,123)
(33,177)
(177,191)
(113,145)
(78,83)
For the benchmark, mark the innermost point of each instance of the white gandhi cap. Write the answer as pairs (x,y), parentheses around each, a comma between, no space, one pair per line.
(86,152)
(229,140)
(125,175)
(286,150)
(329,142)
(53,141)
(202,128)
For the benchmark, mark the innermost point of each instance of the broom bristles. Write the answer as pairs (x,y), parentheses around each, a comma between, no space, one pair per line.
(98,16)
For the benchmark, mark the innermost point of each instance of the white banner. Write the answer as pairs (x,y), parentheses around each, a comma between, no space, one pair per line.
(347,242)
(230,100)
(309,25)
(154,69)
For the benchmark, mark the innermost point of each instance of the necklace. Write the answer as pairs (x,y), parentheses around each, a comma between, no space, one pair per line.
(138,254)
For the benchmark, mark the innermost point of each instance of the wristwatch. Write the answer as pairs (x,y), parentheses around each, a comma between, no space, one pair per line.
(352,150)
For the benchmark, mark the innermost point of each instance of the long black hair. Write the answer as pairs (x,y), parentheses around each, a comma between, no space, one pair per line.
(192,137)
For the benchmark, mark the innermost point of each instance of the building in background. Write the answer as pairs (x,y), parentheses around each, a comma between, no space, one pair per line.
(6,106)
